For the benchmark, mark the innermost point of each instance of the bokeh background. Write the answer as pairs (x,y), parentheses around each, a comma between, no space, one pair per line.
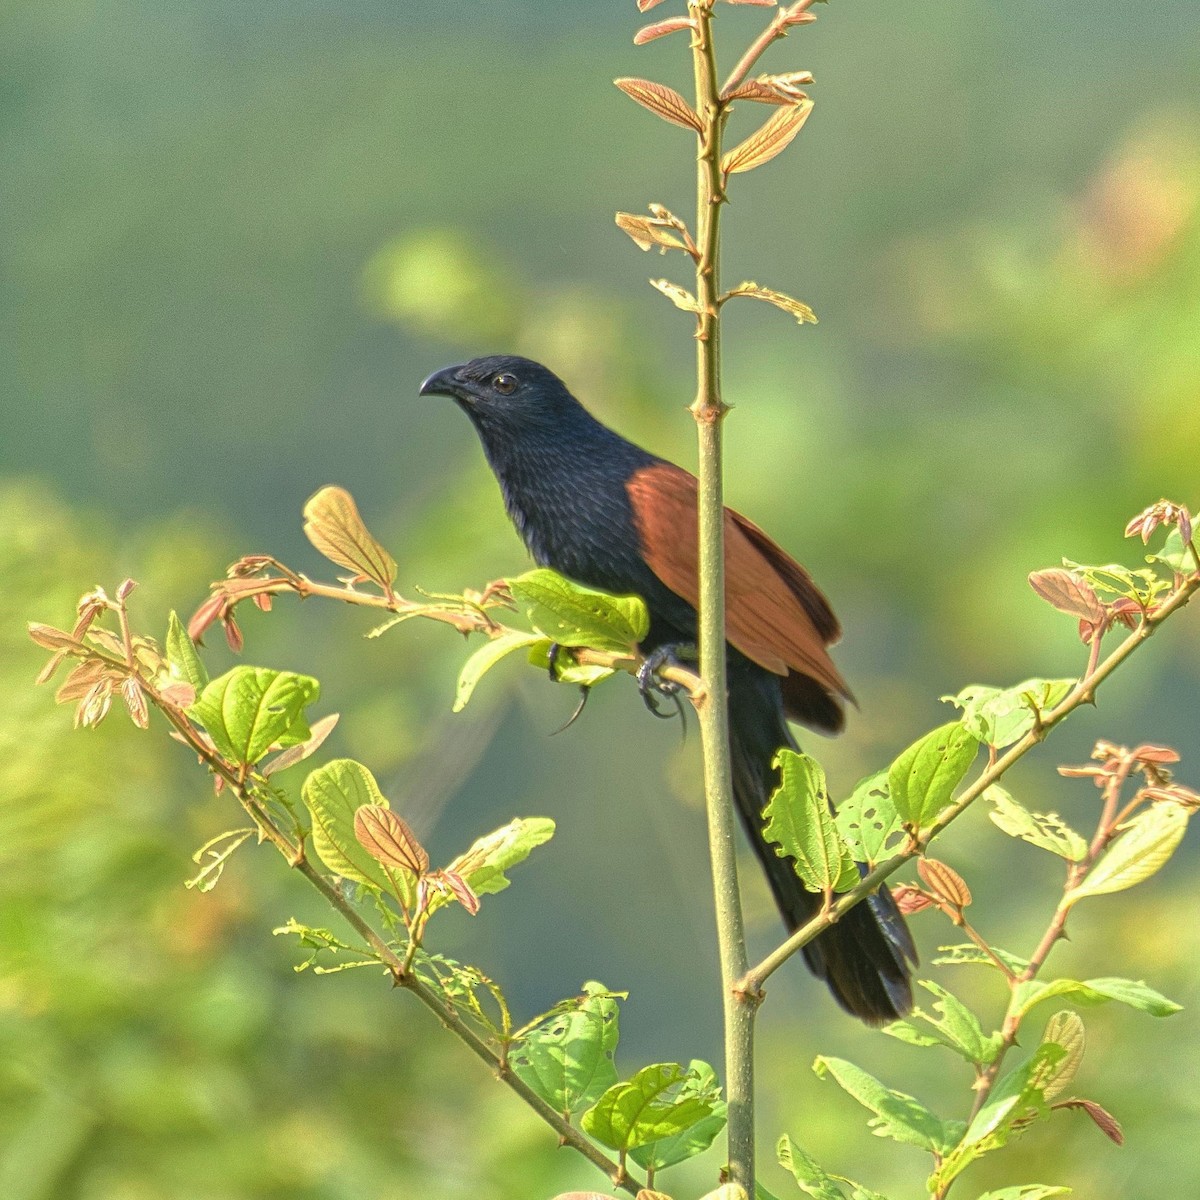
(236,235)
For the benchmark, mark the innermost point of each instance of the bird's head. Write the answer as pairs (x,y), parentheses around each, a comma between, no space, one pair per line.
(503,389)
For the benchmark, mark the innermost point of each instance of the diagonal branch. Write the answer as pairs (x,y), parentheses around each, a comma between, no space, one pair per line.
(1082,693)
(243,786)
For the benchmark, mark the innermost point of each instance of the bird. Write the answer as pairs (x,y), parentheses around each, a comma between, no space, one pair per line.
(612,516)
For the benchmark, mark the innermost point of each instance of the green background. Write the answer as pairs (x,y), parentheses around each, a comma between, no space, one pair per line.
(236,234)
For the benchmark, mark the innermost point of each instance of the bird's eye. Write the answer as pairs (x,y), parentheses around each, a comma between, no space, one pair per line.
(505,383)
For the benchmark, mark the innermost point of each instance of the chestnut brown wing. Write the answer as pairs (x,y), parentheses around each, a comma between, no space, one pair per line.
(775,614)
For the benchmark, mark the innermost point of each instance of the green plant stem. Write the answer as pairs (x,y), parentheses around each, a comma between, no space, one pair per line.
(1082,693)
(293,853)
(712,708)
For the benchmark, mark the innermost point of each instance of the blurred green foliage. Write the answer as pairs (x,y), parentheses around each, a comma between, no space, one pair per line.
(234,239)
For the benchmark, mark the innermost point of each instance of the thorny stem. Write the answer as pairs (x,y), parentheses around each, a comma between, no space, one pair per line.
(776,28)
(402,976)
(1082,693)
(709,409)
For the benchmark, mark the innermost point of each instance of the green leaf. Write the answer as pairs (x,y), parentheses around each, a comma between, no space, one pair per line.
(333,793)
(1027,1191)
(956,1027)
(650,1107)
(182,656)
(924,777)
(1142,584)
(897,1115)
(1012,1097)
(565,671)
(798,820)
(1135,993)
(484,659)
(1064,1029)
(1174,554)
(250,709)
(1017,1096)
(484,864)
(1000,716)
(966,954)
(213,855)
(568,1060)
(573,615)
(813,1179)
(868,820)
(1143,849)
(1048,831)
(667,1152)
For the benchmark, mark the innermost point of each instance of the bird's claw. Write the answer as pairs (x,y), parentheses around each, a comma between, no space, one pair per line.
(652,686)
(552,656)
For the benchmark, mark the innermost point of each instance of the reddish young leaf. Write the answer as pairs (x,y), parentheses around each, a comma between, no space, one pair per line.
(1105,1121)
(910,899)
(135,702)
(769,140)
(205,615)
(387,839)
(233,633)
(944,881)
(50,638)
(1068,593)
(647,5)
(649,32)
(461,890)
(661,100)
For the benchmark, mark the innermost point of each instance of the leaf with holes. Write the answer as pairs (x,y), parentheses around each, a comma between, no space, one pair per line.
(484,865)
(868,820)
(1047,831)
(1000,716)
(798,820)
(695,1139)
(955,1026)
(333,525)
(924,777)
(568,1059)
(897,1116)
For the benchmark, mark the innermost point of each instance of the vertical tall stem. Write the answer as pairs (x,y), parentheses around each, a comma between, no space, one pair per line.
(709,411)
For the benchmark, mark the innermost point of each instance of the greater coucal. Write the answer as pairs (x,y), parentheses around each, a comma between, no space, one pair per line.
(610,515)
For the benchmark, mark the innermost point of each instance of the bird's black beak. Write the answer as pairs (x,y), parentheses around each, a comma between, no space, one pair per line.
(442,383)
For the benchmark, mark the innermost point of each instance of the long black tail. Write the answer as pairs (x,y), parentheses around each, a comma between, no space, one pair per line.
(864,957)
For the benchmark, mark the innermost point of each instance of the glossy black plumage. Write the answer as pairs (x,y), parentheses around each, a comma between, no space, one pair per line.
(610,515)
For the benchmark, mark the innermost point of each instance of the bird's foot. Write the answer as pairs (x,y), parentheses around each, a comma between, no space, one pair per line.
(653,686)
